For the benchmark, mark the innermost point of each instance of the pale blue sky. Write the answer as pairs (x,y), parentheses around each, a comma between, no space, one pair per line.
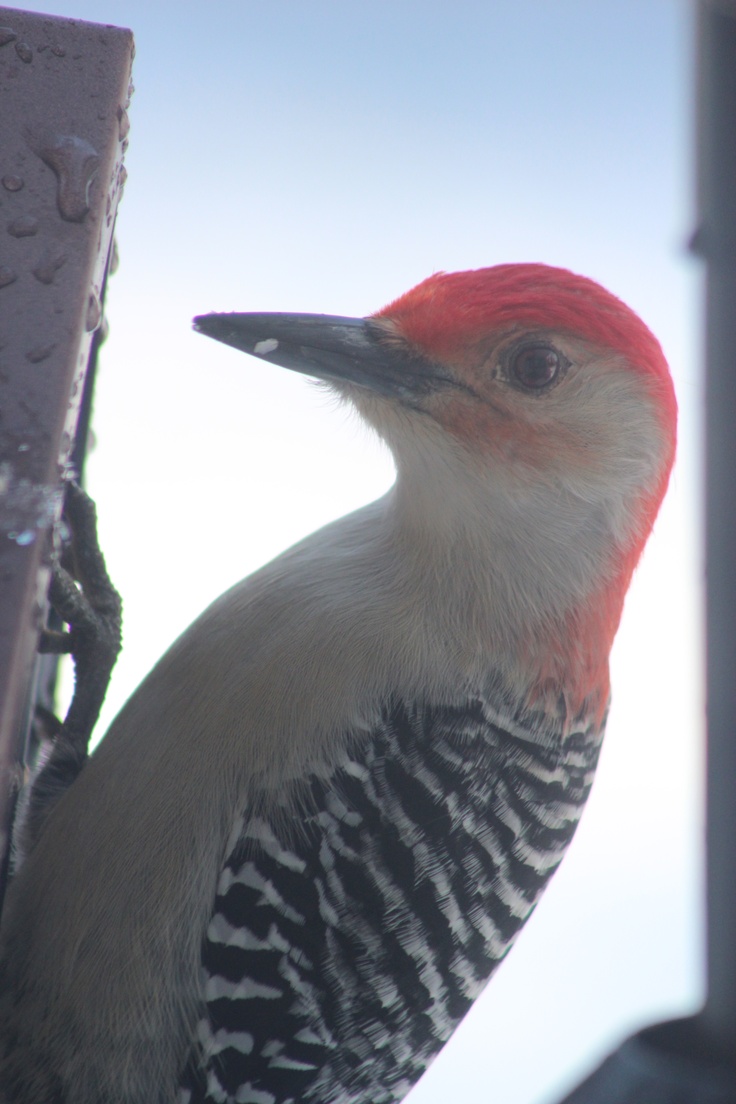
(325,156)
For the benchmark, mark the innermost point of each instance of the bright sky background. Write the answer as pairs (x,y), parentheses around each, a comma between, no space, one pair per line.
(325,156)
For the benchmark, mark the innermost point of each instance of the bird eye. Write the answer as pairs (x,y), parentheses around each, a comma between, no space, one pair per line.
(536,366)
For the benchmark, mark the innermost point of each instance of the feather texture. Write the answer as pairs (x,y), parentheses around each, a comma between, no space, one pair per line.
(346,946)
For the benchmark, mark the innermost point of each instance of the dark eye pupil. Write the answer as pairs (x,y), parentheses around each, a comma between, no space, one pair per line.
(536,365)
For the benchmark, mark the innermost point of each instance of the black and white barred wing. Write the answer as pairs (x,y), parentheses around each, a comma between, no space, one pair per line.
(347,945)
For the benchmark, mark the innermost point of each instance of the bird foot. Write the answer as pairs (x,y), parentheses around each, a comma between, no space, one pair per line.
(83,596)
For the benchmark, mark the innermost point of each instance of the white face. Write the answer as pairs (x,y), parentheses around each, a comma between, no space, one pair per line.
(539,409)
(548,441)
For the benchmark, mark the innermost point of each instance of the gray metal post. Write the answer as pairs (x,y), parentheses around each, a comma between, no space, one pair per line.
(717,244)
(64,87)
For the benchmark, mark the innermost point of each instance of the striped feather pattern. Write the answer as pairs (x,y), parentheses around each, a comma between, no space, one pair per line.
(348,942)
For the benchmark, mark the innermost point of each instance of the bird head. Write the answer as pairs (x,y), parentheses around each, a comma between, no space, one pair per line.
(533,419)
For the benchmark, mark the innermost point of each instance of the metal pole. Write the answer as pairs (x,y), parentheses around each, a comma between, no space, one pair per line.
(716,242)
(63,125)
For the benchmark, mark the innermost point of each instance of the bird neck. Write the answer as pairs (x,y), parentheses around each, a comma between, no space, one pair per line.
(526,581)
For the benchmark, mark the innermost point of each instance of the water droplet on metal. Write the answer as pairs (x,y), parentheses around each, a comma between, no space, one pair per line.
(13,183)
(7,276)
(41,352)
(7,34)
(94,313)
(48,266)
(27,506)
(24,52)
(23,227)
(25,538)
(75,163)
(123,123)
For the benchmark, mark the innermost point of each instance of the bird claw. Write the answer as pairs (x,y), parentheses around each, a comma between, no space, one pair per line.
(92,609)
(83,596)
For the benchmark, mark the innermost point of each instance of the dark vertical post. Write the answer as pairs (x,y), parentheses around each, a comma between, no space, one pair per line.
(64,89)
(716,242)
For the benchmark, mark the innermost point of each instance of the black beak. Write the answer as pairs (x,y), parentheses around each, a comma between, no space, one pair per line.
(352,350)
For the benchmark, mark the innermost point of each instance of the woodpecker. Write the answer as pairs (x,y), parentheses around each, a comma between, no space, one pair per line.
(319,824)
